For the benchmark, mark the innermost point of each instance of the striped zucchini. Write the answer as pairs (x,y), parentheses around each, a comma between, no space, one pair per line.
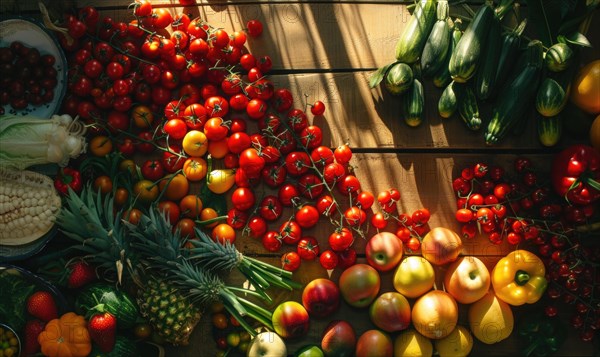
(559,57)
(551,97)
(438,42)
(414,104)
(442,78)
(412,40)
(553,93)
(549,129)
(465,58)
(398,78)
(485,76)
(451,96)
(516,98)
(468,109)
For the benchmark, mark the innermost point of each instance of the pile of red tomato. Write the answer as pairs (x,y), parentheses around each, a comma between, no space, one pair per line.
(181,103)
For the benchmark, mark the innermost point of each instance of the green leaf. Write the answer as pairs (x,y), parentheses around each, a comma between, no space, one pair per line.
(378,75)
(576,38)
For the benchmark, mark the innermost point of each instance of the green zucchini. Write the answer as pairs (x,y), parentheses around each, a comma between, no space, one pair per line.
(451,96)
(398,78)
(509,54)
(466,56)
(468,109)
(438,42)
(559,57)
(442,78)
(549,129)
(485,76)
(412,40)
(514,99)
(414,104)
(106,297)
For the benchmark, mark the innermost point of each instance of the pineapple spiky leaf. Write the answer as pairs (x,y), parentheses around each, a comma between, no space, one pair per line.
(88,220)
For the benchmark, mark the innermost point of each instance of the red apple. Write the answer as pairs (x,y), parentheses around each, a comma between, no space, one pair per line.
(321,297)
(390,312)
(290,320)
(359,285)
(441,245)
(467,279)
(374,343)
(384,251)
(339,339)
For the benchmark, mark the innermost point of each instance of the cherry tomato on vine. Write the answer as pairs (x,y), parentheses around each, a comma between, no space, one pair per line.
(290,261)
(308,248)
(341,239)
(290,232)
(307,216)
(254,28)
(175,128)
(318,108)
(328,259)
(271,240)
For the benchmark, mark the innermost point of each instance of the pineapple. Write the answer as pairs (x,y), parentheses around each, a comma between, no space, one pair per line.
(169,312)
(175,283)
(106,241)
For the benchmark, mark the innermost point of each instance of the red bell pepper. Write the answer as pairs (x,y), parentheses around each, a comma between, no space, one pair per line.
(576,174)
(68,177)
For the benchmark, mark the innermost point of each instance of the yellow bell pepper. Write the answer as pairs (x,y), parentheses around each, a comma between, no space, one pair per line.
(519,278)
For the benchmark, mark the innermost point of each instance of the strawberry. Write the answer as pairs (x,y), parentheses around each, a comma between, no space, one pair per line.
(32,330)
(103,328)
(80,274)
(41,305)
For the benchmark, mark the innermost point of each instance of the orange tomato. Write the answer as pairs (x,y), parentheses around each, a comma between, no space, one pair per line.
(121,196)
(145,191)
(186,228)
(223,232)
(585,89)
(142,116)
(104,184)
(195,168)
(132,216)
(218,149)
(128,165)
(100,145)
(171,210)
(174,187)
(209,213)
(195,143)
(190,206)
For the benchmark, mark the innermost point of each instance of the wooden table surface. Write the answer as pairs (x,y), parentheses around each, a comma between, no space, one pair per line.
(327,51)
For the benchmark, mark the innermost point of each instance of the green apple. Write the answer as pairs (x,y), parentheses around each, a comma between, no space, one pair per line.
(309,351)
(267,344)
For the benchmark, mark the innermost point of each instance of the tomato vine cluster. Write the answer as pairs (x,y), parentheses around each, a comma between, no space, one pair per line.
(524,208)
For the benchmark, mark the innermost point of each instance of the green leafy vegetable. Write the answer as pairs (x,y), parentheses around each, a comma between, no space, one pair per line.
(13,294)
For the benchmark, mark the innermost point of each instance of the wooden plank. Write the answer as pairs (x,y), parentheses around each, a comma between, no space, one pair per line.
(303,36)
(372,118)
